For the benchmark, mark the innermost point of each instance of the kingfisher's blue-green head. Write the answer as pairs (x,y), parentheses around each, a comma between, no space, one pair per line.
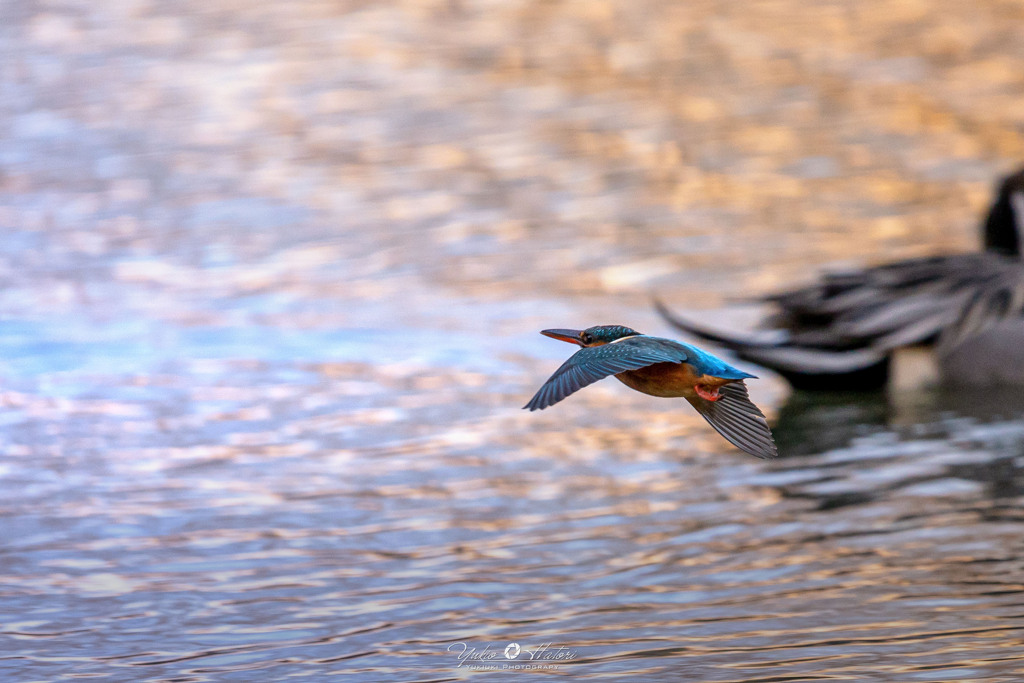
(592,336)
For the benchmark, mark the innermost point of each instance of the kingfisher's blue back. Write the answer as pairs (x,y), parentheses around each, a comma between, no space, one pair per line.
(706,363)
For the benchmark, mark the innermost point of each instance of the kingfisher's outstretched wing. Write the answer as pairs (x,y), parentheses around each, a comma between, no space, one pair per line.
(590,364)
(735,417)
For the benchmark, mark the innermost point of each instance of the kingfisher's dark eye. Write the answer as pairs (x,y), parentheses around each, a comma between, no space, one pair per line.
(587,338)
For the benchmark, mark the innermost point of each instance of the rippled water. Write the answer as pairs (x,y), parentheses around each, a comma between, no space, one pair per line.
(220,518)
(271,281)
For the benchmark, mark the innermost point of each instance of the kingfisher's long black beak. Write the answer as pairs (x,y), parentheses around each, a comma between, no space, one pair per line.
(572,336)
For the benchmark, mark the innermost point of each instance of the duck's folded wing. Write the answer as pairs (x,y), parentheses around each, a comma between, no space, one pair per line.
(887,306)
(842,294)
(735,417)
(1001,299)
(590,364)
(854,321)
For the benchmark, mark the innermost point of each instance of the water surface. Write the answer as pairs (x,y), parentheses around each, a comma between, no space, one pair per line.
(271,287)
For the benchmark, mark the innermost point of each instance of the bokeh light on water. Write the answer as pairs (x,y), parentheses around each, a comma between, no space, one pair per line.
(272,277)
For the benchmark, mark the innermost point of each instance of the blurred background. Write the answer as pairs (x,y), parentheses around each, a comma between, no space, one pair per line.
(272,276)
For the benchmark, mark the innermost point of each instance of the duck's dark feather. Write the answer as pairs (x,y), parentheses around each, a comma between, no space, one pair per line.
(840,332)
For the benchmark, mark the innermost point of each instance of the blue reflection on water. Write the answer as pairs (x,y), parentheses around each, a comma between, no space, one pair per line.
(32,348)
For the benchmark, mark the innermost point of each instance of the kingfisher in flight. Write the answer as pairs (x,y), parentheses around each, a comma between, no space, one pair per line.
(666,368)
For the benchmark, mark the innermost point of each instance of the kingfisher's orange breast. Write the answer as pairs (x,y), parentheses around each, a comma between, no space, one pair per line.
(668,380)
